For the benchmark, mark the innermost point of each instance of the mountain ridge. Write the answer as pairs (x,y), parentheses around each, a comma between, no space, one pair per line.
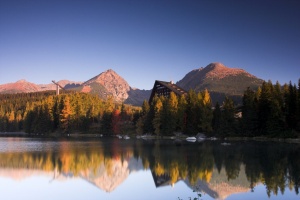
(220,80)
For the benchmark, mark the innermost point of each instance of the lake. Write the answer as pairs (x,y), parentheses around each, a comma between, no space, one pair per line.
(112,168)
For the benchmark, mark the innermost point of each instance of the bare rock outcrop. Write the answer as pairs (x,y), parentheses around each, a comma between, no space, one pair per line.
(113,83)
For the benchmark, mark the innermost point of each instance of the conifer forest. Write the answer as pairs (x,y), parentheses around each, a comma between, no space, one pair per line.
(273,110)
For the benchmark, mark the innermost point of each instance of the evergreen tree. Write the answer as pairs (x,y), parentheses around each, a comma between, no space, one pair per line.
(147,117)
(169,114)
(116,121)
(65,115)
(28,122)
(217,119)
(298,110)
(191,113)
(291,105)
(106,125)
(228,124)
(206,113)
(249,113)
(264,107)
(181,114)
(158,106)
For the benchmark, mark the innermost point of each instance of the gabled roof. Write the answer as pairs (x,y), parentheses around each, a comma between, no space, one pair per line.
(166,85)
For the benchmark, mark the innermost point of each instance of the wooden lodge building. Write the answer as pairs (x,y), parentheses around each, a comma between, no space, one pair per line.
(163,88)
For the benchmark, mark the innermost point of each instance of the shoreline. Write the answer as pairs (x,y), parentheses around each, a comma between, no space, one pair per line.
(92,135)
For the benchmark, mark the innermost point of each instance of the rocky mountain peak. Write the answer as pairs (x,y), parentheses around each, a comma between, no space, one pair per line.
(216,66)
(113,83)
(19,87)
(220,80)
(21,81)
(220,71)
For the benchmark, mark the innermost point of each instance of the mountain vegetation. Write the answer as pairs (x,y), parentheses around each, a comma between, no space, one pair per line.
(45,113)
(272,111)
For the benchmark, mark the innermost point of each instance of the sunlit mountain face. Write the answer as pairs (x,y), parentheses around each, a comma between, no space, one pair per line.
(219,79)
(209,167)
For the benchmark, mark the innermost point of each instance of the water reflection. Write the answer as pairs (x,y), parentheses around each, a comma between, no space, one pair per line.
(216,170)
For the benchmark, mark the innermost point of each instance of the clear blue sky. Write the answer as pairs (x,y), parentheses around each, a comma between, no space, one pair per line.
(143,41)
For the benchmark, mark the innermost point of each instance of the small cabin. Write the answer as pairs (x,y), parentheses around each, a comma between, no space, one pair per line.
(163,88)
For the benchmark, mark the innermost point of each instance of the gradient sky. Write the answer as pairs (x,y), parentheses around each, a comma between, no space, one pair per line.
(144,41)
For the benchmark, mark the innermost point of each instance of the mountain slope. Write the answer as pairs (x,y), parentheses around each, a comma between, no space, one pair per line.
(107,83)
(112,84)
(21,86)
(221,81)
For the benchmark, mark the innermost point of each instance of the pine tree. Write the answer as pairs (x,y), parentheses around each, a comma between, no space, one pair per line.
(217,119)
(228,121)
(249,112)
(169,114)
(181,114)
(298,110)
(206,113)
(264,107)
(79,114)
(145,108)
(65,115)
(191,113)
(291,104)
(158,105)
(106,125)
(116,121)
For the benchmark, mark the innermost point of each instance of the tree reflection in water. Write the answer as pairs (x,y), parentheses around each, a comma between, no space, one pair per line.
(208,167)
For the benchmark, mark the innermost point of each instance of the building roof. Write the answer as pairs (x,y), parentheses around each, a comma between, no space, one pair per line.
(163,85)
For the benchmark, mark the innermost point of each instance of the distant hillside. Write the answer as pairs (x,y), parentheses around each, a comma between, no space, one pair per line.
(21,86)
(221,81)
(64,83)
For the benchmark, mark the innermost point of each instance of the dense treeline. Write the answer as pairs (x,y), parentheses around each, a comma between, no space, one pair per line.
(45,112)
(272,110)
(188,114)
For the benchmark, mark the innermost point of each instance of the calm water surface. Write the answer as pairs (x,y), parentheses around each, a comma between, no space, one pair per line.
(110,168)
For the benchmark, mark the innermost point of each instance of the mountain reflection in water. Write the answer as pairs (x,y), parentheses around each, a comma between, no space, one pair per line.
(216,171)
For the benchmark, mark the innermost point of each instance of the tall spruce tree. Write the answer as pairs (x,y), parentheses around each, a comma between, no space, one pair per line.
(147,116)
(157,106)
(169,114)
(228,124)
(65,114)
(206,113)
(217,119)
(191,113)
(181,114)
(249,113)
(264,107)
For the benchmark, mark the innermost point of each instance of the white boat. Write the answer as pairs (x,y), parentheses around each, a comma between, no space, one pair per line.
(119,136)
(126,137)
(225,144)
(191,139)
